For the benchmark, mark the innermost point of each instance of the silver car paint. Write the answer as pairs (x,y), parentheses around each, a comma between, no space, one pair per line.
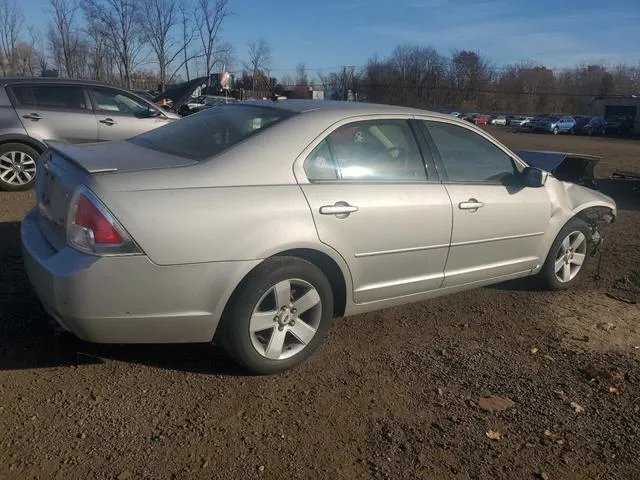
(72,126)
(64,125)
(250,203)
(128,299)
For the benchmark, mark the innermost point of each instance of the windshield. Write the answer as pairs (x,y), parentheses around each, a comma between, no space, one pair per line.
(206,134)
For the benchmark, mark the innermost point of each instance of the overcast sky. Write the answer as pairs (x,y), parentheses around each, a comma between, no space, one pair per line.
(330,33)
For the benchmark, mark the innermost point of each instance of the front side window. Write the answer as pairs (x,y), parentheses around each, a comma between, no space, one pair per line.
(117,102)
(211,131)
(376,150)
(469,157)
(53,96)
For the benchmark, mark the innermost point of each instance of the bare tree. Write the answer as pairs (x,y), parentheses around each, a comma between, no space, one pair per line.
(25,59)
(337,84)
(101,58)
(156,23)
(259,60)
(187,34)
(64,38)
(11,22)
(210,15)
(118,21)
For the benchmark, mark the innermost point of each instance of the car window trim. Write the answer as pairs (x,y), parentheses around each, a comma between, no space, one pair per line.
(425,127)
(339,180)
(16,105)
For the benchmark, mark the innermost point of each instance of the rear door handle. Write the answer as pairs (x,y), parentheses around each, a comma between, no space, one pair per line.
(471,204)
(338,209)
(108,121)
(32,116)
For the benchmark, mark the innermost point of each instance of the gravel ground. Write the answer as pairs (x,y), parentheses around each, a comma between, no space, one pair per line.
(399,393)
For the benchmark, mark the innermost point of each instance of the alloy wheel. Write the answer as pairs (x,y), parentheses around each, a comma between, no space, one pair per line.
(570,257)
(17,168)
(285,319)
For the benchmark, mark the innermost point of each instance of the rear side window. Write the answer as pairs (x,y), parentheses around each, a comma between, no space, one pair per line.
(469,157)
(53,96)
(377,150)
(203,135)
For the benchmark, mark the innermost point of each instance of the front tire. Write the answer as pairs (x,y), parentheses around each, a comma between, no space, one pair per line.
(567,257)
(279,316)
(17,166)
(556,131)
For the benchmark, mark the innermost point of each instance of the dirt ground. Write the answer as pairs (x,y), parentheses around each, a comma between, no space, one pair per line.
(393,394)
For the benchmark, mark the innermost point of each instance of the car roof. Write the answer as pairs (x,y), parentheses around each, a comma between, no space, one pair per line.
(352,108)
(53,80)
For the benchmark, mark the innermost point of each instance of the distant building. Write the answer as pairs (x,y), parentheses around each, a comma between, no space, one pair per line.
(623,109)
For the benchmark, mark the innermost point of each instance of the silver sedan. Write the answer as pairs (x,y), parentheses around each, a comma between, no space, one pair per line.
(256,224)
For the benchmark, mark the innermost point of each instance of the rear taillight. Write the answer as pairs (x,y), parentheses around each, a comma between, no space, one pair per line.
(92,229)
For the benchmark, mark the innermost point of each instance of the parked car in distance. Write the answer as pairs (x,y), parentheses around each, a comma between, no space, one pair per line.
(36,111)
(202,102)
(619,125)
(590,126)
(259,222)
(552,124)
(499,120)
(481,120)
(520,121)
(456,114)
(470,117)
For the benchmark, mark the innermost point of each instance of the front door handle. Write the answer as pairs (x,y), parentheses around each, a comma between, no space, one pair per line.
(108,121)
(338,209)
(471,204)
(32,116)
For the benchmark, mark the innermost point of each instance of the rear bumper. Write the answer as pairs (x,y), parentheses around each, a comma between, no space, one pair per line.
(128,299)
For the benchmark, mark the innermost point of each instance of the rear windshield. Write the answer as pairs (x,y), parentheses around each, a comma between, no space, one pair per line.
(212,131)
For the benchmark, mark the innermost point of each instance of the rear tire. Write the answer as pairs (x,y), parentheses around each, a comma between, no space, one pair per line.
(279,315)
(567,256)
(17,166)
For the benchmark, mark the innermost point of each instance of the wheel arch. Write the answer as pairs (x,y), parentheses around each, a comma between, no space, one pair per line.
(330,269)
(25,140)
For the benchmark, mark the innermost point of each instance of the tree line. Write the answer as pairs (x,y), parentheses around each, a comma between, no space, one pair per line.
(465,80)
(156,42)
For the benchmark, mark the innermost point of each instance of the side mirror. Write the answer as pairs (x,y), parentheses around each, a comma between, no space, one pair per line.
(153,112)
(534,177)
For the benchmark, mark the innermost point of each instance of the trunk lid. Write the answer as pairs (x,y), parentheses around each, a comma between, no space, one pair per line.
(56,180)
(120,156)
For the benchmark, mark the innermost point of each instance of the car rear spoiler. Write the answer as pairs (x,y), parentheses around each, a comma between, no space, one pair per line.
(568,167)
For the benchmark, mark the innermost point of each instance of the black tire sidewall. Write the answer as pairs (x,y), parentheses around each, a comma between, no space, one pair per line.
(235,322)
(548,274)
(18,147)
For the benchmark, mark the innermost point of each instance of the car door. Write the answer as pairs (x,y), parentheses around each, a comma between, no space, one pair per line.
(498,223)
(121,115)
(375,202)
(565,124)
(55,112)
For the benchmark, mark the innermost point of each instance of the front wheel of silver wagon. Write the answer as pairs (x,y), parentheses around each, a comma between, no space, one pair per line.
(17,166)
(279,315)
